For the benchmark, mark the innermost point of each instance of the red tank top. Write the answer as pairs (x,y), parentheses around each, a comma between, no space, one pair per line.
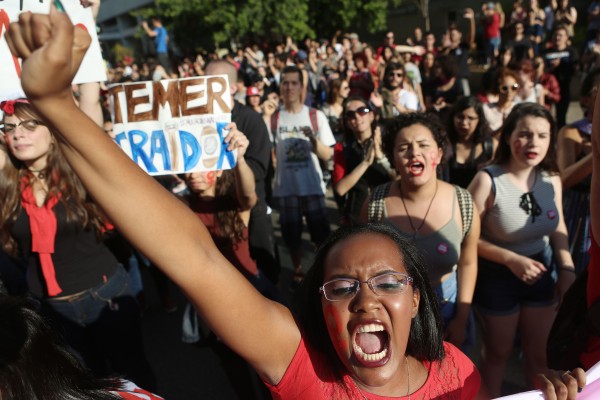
(238,253)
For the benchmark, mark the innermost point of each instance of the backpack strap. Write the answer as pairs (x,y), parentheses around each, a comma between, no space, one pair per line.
(465,202)
(488,148)
(377,203)
(312,113)
(274,121)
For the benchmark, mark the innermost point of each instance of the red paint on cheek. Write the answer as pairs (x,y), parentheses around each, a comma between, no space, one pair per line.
(433,156)
(211,177)
(335,326)
(518,147)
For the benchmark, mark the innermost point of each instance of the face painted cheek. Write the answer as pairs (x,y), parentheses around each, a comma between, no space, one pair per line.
(518,147)
(211,177)
(335,326)
(433,156)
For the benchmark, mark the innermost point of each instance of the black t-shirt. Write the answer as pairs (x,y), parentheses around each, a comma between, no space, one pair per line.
(258,155)
(80,260)
(521,48)
(461,56)
(566,69)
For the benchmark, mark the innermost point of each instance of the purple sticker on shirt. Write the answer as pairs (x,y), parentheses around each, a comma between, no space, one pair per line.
(442,248)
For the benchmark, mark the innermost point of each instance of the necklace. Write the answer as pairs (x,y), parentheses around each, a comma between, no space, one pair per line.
(426,212)
(407,382)
(38,173)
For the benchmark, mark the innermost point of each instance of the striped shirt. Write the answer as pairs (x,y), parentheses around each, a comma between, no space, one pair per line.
(517,221)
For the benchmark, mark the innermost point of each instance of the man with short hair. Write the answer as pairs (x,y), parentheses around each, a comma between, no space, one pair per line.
(561,60)
(460,49)
(161,41)
(302,136)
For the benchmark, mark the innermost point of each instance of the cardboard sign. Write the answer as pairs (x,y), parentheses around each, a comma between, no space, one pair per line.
(92,68)
(174,126)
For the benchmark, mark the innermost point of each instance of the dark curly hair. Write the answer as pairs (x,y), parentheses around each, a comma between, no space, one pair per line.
(520,111)
(425,340)
(428,120)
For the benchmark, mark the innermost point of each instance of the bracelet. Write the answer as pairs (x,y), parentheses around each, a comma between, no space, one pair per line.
(569,269)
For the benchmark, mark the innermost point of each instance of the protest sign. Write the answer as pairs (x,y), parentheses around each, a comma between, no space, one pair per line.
(174,126)
(92,68)
(591,391)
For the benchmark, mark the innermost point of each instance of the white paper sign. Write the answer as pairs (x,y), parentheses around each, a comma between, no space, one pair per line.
(174,126)
(92,68)
(591,391)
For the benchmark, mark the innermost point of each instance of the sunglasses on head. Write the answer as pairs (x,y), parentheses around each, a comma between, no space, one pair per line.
(505,88)
(362,111)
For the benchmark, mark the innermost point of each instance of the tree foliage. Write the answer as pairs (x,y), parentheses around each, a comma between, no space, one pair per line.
(222,22)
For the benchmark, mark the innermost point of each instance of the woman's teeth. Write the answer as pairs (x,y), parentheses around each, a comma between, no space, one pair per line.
(370,343)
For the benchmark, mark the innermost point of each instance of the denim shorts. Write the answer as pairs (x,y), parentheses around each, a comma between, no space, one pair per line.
(500,292)
(446,292)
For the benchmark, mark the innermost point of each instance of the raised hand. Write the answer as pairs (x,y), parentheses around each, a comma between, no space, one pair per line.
(50,46)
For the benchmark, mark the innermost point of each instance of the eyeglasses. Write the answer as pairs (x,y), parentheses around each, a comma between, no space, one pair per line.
(396,74)
(386,284)
(28,124)
(505,88)
(360,111)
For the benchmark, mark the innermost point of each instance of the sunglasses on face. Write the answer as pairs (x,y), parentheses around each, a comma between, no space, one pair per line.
(29,125)
(350,115)
(513,88)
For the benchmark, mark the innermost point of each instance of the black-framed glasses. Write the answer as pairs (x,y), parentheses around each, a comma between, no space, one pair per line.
(28,124)
(505,88)
(389,283)
(362,111)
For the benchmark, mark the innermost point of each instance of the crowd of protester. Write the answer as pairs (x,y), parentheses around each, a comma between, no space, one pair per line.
(491,189)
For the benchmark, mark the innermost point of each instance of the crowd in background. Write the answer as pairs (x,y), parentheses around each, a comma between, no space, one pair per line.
(454,198)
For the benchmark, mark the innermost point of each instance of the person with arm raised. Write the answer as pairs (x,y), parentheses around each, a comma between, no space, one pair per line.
(367,285)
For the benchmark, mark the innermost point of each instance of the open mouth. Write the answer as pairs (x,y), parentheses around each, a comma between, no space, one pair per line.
(531,155)
(371,345)
(416,168)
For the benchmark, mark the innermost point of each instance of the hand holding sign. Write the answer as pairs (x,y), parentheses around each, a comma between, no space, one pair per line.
(49,46)
(236,140)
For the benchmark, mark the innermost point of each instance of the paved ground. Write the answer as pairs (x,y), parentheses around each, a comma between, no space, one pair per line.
(209,370)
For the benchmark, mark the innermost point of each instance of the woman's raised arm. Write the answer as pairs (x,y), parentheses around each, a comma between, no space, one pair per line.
(164,229)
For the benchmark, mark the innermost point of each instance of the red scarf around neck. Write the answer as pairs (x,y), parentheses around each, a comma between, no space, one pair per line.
(42,223)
